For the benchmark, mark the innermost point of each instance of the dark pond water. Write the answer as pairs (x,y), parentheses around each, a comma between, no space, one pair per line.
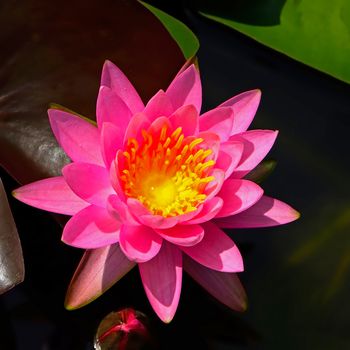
(297,277)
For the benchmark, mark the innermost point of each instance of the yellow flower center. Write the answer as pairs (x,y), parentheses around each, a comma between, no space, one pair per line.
(167,171)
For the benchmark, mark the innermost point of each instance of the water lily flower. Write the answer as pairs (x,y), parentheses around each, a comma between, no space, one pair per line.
(155,185)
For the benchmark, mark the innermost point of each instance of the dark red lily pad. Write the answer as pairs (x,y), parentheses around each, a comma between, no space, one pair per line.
(53,52)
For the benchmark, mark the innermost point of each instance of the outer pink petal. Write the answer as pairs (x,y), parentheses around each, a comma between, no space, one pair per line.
(139,243)
(238,195)
(219,121)
(98,270)
(111,141)
(186,117)
(115,79)
(90,182)
(257,143)
(159,106)
(184,235)
(244,107)
(162,280)
(52,194)
(112,109)
(229,156)
(79,138)
(266,212)
(209,211)
(225,287)
(216,251)
(186,89)
(92,227)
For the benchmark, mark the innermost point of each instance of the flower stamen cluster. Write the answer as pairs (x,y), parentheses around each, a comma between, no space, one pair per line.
(167,172)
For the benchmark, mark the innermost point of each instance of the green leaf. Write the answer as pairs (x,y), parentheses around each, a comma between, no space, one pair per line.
(316,33)
(184,37)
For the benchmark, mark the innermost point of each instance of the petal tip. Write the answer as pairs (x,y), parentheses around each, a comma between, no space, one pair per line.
(71,304)
(240,266)
(165,317)
(107,63)
(244,306)
(168,319)
(69,307)
(296,215)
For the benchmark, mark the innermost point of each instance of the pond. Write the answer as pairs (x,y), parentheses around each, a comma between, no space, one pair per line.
(296,276)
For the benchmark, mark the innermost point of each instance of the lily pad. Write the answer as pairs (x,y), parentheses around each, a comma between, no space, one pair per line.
(51,55)
(11,258)
(313,32)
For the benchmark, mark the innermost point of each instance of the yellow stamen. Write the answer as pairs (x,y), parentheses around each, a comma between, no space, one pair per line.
(166,171)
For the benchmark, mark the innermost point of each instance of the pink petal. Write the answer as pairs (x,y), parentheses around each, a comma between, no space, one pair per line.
(162,223)
(158,221)
(158,106)
(98,270)
(162,279)
(139,243)
(225,287)
(213,187)
(92,227)
(266,212)
(137,208)
(184,218)
(238,195)
(115,79)
(229,156)
(186,117)
(219,121)
(79,138)
(121,210)
(158,124)
(216,250)
(147,218)
(185,235)
(244,108)
(90,182)
(210,141)
(112,140)
(112,109)
(52,194)
(257,143)
(137,123)
(113,174)
(186,89)
(210,209)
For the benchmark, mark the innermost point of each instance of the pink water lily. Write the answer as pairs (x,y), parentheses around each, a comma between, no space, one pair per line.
(156,185)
